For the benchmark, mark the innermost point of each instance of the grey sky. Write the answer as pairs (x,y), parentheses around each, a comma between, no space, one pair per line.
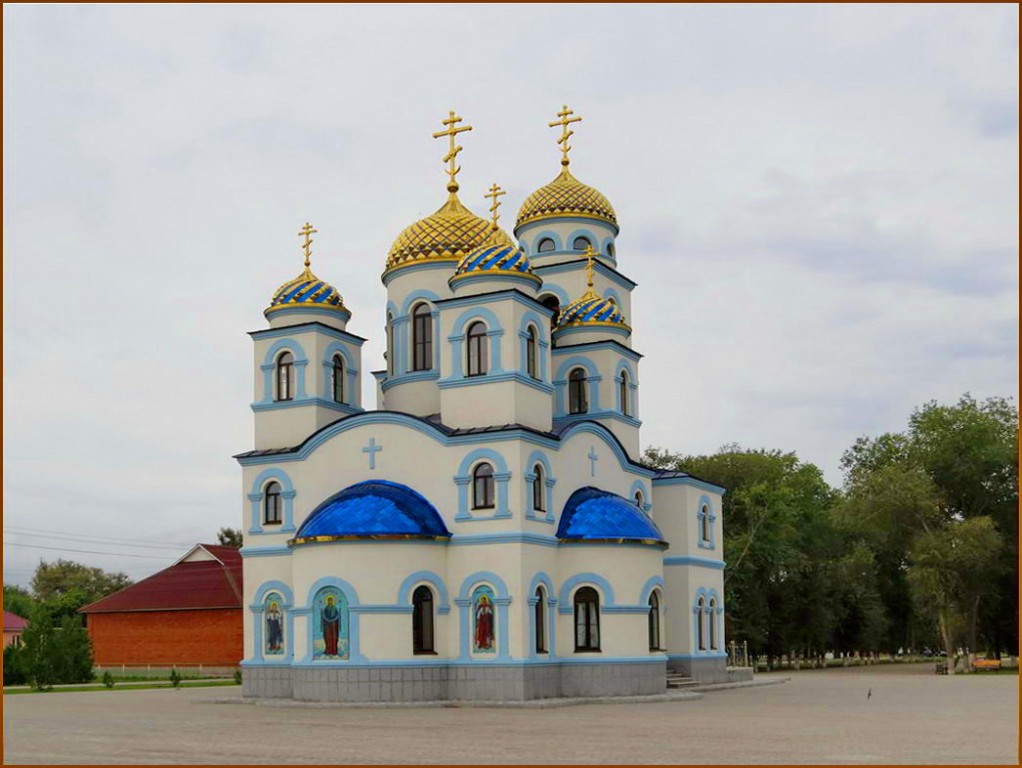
(820,206)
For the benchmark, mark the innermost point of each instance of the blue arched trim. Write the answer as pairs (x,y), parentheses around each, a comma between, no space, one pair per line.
(639,486)
(542,343)
(705,503)
(494,331)
(538,457)
(716,617)
(287,494)
(354,652)
(610,293)
(562,295)
(651,583)
(411,301)
(564,600)
(547,583)
(352,392)
(464,603)
(404,592)
(587,233)
(561,383)
(607,241)
(418,296)
(598,430)
(273,585)
(270,363)
(534,243)
(258,607)
(463,480)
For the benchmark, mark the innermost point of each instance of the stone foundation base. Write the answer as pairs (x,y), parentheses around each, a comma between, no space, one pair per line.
(490,682)
(704,670)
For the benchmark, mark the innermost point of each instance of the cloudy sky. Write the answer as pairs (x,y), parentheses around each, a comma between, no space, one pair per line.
(820,206)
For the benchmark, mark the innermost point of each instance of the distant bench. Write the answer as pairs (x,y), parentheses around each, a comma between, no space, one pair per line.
(986,664)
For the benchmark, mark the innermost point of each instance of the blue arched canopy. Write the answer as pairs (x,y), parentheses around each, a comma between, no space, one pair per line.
(595,515)
(373,509)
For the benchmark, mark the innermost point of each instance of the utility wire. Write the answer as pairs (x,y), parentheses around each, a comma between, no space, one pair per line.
(93,540)
(85,551)
(83,536)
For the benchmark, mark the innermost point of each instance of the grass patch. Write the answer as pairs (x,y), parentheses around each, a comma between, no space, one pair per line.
(126,687)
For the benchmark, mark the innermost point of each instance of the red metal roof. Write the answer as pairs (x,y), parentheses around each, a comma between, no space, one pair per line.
(13,622)
(188,584)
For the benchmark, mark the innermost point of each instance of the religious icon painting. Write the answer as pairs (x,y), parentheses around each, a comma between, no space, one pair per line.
(330,624)
(273,630)
(484,620)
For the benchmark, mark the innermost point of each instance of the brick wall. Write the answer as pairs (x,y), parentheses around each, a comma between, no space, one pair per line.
(212,636)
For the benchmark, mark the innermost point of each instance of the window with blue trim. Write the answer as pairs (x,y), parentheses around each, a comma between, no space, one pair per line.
(532,352)
(482,487)
(538,489)
(610,250)
(540,620)
(338,379)
(701,623)
(390,343)
(546,245)
(422,621)
(285,377)
(654,621)
(712,618)
(578,398)
(422,338)
(272,514)
(477,349)
(587,620)
(581,243)
(705,524)
(626,408)
(551,302)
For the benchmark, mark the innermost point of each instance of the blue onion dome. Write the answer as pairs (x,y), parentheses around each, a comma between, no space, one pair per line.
(591,309)
(374,509)
(307,290)
(592,514)
(499,255)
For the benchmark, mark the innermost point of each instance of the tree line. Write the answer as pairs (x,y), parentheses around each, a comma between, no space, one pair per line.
(917,549)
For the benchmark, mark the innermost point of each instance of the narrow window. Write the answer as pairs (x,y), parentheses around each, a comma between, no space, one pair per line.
(477,349)
(422,338)
(538,490)
(713,623)
(704,522)
(581,243)
(578,401)
(482,487)
(390,343)
(638,499)
(422,620)
(587,620)
(285,376)
(625,408)
(610,250)
(554,304)
(545,245)
(271,504)
(540,621)
(701,623)
(654,621)
(338,373)
(532,352)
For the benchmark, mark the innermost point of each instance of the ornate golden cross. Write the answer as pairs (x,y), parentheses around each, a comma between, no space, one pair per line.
(307,232)
(589,255)
(452,131)
(493,194)
(564,122)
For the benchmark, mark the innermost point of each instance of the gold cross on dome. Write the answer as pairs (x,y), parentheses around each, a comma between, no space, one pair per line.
(452,131)
(564,122)
(589,255)
(307,232)
(493,194)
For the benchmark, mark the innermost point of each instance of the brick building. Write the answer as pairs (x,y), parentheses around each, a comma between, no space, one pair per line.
(187,614)
(14,625)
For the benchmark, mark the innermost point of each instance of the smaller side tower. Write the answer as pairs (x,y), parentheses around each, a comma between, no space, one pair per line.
(306,363)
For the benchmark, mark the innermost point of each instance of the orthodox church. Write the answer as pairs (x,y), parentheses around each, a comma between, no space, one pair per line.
(488,532)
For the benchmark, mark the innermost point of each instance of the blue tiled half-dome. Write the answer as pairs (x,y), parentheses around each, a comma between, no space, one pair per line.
(591,309)
(307,290)
(496,257)
(595,515)
(373,509)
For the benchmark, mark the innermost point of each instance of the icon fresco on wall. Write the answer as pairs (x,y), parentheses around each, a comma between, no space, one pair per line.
(483,620)
(274,618)
(330,625)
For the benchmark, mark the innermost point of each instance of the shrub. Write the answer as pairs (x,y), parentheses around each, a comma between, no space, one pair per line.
(14,666)
(237,677)
(108,679)
(175,677)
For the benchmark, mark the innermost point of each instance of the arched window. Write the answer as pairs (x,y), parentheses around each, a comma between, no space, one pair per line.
(482,487)
(610,250)
(704,523)
(538,489)
(545,245)
(553,303)
(338,381)
(422,620)
(390,343)
(623,395)
(712,618)
(285,376)
(581,243)
(532,352)
(587,620)
(654,621)
(422,338)
(271,504)
(540,621)
(701,623)
(578,399)
(639,501)
(477,347)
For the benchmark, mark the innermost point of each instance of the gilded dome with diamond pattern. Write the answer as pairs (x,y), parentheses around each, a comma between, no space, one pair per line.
(447,235)
(566,196)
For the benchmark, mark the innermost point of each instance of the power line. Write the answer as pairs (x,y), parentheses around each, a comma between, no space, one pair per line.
(95,540)
(85,551)
(83,536)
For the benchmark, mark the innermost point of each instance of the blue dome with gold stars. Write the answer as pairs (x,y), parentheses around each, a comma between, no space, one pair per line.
(592,514)
(373,509)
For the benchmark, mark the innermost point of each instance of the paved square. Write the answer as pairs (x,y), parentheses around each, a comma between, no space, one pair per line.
(913,716)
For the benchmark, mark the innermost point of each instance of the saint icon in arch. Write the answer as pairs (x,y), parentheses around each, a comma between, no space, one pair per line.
(484,620)
(274,625)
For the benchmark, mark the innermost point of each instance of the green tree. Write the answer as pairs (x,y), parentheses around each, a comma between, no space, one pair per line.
(229,537)
(72,649)
(949,574)
(17,600)
(14,666)
(65,586)
(39,657)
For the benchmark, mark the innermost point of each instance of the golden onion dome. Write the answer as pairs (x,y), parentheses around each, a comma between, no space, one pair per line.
(447,235)
(566,196)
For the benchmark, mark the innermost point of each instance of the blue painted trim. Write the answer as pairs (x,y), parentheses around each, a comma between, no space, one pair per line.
(309,327)
(531,318)
(538,457)
(269,365)
(653,582)
(576,264)
(538,580)
(532,244)
(406,378)
(352,392)
(468,278)
(716,614)
(560,381)
(567,418)
(275,405)
(406,269)
(247,552)
(693,481)
(656,658)
(501,598)
(456,338)
(404,592)
(507,537)
(490,378)
(705,510)
(608,437)
(699,562)
(255,497)
(647,497)
(508,294)
(416,297)
(258,607)
(589,346)
(545,222)
(574,330)
(563,299)
(565,601)
(464,478)
(309,309)
(694,656)
(351,596)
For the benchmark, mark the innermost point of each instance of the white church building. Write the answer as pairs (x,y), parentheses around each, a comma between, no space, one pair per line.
(488,532)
